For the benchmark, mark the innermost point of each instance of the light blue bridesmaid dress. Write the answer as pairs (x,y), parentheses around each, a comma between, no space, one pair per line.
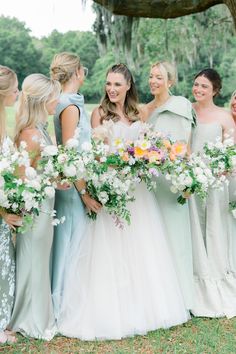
(67,203)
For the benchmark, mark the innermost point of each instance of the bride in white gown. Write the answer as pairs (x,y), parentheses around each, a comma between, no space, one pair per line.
(121,282)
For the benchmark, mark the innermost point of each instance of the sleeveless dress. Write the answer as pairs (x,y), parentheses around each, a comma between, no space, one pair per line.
(67,203)
(7,272)
(33,310)
(121,282)
(175,118)
(213,237)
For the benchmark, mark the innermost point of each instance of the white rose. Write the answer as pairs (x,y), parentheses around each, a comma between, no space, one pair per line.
(23,144)
(188,181)
(30,173)
(202,179)
(50,150)
(50,192)
(62,158)
(103,197)
(69,171)
(173,189)
(87,146)
(72,143)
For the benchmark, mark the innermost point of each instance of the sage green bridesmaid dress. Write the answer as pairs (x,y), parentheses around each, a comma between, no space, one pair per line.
(7,274)
(7,269)
(213,237)
(175,118)
(33,310)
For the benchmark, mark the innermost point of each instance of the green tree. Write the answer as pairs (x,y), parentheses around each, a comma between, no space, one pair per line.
(17,49)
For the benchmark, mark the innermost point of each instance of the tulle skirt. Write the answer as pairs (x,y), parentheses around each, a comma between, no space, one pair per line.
(122,282)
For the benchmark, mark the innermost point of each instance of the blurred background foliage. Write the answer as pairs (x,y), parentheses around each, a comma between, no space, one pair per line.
(192,42)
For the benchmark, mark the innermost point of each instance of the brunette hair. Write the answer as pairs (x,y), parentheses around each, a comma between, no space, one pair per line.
(213,76)
(107,109)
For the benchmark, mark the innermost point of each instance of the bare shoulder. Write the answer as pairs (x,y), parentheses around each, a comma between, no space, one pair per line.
(32,138)
(96,117)
(223,115)
(71,112)
(145,111)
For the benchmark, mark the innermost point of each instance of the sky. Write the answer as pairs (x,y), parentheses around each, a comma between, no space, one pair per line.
(43,16)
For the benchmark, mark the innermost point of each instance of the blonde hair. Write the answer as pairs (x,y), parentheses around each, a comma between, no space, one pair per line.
(37,91)
(168,71)
(232,97)
(7,81)
(63,66)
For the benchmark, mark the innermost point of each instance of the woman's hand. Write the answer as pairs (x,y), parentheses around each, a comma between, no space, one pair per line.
(90,203)
(11,219)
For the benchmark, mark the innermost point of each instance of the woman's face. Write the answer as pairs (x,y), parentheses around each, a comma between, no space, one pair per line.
(116,87)
(157,83)
(51,105)
(202,89)
(233,107)
(11,97)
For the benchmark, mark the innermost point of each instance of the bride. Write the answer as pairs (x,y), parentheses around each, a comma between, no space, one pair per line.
(121,282)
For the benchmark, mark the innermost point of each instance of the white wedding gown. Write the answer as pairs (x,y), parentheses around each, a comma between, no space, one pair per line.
(122,282)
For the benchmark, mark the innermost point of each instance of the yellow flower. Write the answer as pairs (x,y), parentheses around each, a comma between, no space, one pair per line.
(139,152)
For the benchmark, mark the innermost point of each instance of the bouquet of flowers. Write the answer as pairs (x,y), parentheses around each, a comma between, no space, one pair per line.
(18,195)
(190,175)
(221,157)
(154,153)
(63,162)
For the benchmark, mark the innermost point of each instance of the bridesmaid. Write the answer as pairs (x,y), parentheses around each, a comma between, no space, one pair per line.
(8,96)
(212,230)
(172,115)
(233,106)
(70,115)
(33,311)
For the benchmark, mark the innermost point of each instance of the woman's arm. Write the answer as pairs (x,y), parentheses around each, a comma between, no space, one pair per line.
(69,122)
(96,118)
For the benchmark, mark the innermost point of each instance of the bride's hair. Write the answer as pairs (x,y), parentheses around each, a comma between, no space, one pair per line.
(7,83)
(37,91)
(107,108)
(63,66)
(168,71)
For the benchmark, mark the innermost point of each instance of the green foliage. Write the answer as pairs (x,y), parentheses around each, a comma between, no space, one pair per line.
(82,43)
(192,42)
(17,49)
(93,87)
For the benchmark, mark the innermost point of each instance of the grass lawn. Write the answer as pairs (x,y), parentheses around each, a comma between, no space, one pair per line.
(201,336)
(11,119)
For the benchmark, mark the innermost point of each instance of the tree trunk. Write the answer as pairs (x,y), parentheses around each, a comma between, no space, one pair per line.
(158,8)
(163,8)
(232,8)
